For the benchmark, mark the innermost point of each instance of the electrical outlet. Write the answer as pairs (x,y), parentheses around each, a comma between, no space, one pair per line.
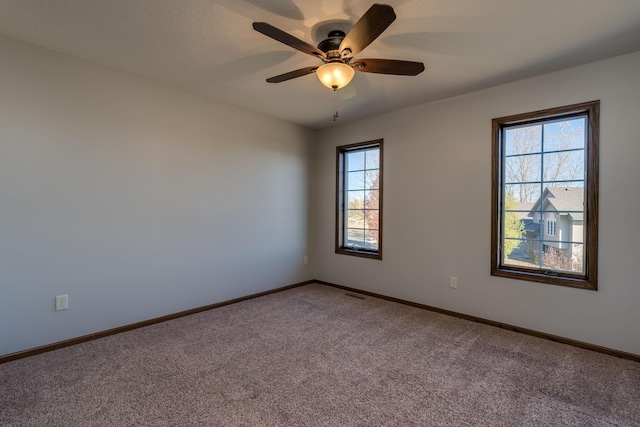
(62,302)
(453,282)
(305,260)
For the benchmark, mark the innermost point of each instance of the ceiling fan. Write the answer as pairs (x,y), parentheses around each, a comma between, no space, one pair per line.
(338,51)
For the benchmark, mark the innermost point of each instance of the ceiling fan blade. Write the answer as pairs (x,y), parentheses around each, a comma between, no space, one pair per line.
(286,38)
(367,29)
(389,66)
(292,75)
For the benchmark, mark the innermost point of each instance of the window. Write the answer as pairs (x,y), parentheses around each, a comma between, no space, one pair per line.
(551,227)
(545,196)
(359,199)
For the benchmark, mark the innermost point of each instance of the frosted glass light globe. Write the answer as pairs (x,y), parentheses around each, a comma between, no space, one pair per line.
(335,75)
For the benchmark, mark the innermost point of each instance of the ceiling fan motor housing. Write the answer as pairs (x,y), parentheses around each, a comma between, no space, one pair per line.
(332,43)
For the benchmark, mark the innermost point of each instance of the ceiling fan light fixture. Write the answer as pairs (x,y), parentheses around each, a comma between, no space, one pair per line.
(335,75)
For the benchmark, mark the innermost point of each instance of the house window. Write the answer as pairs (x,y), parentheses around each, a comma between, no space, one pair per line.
(545,196)
(551,227)
(359,199)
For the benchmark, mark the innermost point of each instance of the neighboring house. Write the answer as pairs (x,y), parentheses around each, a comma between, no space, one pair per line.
(558,215)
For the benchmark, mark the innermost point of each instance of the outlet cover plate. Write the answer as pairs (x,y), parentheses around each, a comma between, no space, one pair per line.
(62,302)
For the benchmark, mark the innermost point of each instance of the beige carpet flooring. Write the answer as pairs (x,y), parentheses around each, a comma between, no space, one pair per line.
(313,356)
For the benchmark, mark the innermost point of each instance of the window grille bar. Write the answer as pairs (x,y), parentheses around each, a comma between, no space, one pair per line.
(537,153)
(545,241)
(561,181)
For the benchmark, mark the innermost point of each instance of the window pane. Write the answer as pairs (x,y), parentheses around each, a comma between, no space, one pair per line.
(564,135)
(533,227)
(524,168)
(562,200)
(355,181)
(565,227)
(372,219)
(569,258)
(564,166)
(521,252)
(356,199)
(372,199)
(355,160)
(355,237)
(525,253)
(372,180)
(355,218)
(578,226)
(371,240)
(517,194)
(373,159)
(513,227)
(522,140)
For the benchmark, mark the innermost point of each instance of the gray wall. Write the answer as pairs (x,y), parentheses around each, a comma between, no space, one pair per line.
(139,200)
(135,199)
(437,207)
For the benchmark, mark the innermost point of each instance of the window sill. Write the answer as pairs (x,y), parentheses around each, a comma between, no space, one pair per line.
(541,277)
(359,253)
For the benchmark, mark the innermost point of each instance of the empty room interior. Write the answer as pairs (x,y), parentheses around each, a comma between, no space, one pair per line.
(296,212)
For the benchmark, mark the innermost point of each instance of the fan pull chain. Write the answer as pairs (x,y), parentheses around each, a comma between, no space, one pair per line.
(335,103)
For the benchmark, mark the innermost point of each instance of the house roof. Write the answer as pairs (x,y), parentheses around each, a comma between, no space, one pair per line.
(561,199)
(524,208)
(531,227)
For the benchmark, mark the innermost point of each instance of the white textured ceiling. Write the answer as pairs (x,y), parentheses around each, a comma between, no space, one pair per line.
(209,47)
